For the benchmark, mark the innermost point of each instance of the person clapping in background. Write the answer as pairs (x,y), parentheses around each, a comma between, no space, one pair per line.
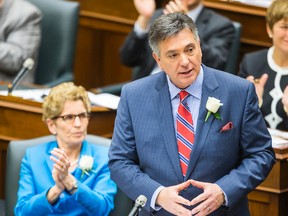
(268,68)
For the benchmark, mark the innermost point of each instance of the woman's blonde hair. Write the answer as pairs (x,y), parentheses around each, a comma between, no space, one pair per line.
(58,95)
(277,11)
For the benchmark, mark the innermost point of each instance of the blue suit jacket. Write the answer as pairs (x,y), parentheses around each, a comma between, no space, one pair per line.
(94,195)
(144,155)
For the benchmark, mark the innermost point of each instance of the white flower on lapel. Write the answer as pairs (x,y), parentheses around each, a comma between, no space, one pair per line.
(212,105)
(85,164)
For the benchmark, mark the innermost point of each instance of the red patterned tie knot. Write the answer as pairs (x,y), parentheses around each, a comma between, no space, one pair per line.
(183,94)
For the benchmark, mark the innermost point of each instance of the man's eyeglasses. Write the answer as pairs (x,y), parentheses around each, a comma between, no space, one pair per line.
(70,118)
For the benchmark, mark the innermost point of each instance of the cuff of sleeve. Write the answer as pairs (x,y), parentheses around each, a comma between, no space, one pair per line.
(225,203)
(154,197)
(141,33)
(42,203)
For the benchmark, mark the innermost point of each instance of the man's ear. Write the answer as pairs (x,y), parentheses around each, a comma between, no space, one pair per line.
(157,59)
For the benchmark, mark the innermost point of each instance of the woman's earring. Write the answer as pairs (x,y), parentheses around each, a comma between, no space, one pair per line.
(270,36)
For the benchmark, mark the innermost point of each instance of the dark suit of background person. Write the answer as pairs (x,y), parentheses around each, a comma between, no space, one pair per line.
(273,62)
(20,34)
(143,155)
(216,34)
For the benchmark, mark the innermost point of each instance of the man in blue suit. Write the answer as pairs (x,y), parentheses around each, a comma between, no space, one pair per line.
(231,153)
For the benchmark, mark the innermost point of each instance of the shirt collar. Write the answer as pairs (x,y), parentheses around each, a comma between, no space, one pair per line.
(195,89)
(195,12)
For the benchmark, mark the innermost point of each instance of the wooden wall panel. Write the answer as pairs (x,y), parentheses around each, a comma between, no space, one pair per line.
(123,8)
(103,26)
(112,42)
(97,58)
(87,57)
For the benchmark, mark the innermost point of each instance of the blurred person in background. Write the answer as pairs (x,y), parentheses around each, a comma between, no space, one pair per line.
(268,68)
(68,176)
(20,35)
(216,34)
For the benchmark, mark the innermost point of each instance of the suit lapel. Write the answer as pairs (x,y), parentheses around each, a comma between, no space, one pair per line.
(209,89)
(163,109)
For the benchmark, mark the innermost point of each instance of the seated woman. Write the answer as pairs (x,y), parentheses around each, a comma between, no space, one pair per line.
(68,176)
(268,68)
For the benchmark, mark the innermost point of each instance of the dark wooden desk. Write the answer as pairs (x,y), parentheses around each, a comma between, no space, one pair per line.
(271,197)
(21,119)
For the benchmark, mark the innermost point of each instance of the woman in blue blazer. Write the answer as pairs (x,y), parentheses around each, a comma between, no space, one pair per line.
(68,176)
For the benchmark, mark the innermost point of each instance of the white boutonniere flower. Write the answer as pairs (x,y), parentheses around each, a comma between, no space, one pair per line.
(86,164)
(212,106)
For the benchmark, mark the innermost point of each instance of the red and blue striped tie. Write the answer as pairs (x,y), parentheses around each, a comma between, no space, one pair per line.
(185,131)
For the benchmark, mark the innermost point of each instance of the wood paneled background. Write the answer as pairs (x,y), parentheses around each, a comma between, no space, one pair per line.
(103,26)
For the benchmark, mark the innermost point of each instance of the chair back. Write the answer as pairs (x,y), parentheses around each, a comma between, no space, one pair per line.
(232,61)
(58,41)
(15,153)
